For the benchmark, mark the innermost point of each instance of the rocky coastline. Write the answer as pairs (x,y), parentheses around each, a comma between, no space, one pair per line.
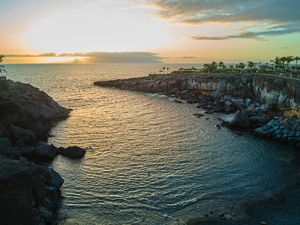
(29,188)
(254,101)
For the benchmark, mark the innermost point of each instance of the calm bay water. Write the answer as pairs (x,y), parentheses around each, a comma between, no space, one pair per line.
(149,160)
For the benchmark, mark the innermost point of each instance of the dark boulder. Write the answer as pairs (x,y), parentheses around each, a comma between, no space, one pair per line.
(238,119)
(21,135)
(39,129)
(45,152)
(22,190)
(72,152)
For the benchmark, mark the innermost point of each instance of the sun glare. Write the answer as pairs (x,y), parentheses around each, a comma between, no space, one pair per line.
(94,28)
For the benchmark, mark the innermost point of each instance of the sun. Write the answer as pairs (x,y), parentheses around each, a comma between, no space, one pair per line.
(96,28)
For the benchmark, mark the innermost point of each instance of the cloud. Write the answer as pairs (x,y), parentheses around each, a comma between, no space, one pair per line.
(249,34)
(50,54)
(189,57)
(282,17)
(104,57)
(122,57)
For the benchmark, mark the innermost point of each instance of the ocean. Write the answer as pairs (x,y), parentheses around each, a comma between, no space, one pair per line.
(149,160)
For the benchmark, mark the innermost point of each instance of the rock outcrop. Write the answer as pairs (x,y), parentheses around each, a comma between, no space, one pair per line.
(266,89)
(23,192)
(72,152)
(29,108)
(29,191)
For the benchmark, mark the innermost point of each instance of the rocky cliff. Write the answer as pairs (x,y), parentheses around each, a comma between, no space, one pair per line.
(245,100)
(280,91)
(29,191)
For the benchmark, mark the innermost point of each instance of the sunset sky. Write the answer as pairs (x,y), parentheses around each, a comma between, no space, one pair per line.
(169,31)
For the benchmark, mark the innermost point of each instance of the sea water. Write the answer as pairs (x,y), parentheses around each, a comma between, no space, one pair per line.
(149,160)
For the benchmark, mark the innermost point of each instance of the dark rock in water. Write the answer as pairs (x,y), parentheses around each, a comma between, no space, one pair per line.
(54,187)
(218,126)
(238,133)
(199,115)
(56,180)
(177,101)
(73,152)
(258,119)
(45,152)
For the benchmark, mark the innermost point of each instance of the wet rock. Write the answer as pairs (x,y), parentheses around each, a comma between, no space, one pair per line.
(177,101)
(73,152)
(238,119)
(198,115)
(258,119)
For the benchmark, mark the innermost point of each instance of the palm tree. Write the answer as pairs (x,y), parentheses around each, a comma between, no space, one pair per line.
(240,66)
(283,60)
(164,69)
(1,66)
(277,63)
(222,66)
(251,65)
(296,59)
(231,68)
(288,60)
(167,70)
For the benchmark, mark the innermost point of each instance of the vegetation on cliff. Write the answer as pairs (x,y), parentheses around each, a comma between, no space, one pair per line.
(277,65)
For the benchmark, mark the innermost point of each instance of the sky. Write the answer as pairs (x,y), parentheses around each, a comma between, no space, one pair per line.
(168,31)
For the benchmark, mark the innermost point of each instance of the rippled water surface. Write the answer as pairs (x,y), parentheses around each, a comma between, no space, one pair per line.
(148,160)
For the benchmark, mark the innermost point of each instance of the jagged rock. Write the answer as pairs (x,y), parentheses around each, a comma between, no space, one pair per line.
(229,106)
(73,152)
(216,95)
(5,143)
(45,152)
(26,136)
(54,187)
(23,188)
(177,101)
(238,119)
(240,103)
(258,119)
(39,129)
(26,151)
